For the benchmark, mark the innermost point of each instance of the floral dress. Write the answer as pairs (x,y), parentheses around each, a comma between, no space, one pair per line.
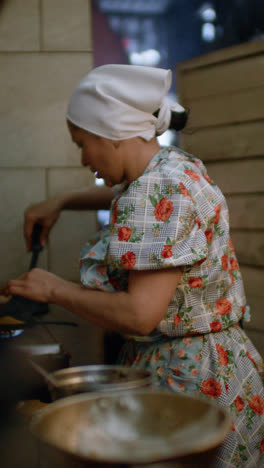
(175,216)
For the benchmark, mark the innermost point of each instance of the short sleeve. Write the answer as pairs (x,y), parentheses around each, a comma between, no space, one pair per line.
(155,225)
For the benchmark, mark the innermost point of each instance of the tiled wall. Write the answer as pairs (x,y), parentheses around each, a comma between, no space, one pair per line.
(45,49)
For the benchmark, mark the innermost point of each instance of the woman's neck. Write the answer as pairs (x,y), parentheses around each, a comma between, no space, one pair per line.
(138,155)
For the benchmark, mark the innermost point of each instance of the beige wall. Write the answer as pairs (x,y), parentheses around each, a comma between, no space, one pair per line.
(45,49)
(225,93)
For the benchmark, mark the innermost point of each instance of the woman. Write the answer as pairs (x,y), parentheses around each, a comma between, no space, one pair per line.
(164,273)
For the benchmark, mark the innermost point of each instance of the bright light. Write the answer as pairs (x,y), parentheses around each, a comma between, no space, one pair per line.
(166,139)
(99,181)
(208,32)
(207,13)
(149,58)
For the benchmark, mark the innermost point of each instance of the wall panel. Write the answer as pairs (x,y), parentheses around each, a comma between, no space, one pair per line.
(224,91)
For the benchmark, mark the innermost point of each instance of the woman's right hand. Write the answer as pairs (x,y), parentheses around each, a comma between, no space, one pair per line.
(46,214)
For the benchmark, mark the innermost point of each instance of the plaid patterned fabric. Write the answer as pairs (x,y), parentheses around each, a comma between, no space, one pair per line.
(171,216)
(174,215)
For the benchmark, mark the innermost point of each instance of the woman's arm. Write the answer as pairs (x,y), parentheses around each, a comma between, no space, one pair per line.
(137,311)
(47,212)
(92,198)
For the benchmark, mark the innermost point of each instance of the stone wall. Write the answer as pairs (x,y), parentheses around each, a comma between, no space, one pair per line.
(45,49)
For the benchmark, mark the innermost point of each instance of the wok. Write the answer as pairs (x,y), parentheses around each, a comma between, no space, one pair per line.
(97,378)
(128,428)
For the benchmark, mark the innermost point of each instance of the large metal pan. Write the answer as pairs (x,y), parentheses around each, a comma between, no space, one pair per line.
(97,378)
(128,428)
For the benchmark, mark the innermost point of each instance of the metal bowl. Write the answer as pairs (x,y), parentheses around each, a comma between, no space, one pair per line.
(127,428)
(97,378)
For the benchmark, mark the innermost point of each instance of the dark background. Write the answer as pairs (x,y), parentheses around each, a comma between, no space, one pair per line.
(171,27)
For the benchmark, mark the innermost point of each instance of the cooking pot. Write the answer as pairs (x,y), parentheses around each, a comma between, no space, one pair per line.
(128,428)
(97,378)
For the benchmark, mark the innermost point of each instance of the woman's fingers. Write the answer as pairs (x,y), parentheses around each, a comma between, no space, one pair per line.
(6,288)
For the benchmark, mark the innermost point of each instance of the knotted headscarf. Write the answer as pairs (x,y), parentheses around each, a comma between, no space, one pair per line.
(118,101)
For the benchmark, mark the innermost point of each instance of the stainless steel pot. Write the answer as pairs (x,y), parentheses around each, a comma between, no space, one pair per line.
(129,428)
(97,378)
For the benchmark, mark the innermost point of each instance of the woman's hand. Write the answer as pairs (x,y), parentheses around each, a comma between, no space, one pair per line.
(37,285)
(46,214)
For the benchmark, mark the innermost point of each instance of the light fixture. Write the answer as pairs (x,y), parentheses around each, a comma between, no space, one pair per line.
(208,32)
(150,58)
(207,13)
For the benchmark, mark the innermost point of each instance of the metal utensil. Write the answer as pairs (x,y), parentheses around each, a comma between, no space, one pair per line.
(127,428)
(48,377)
(98,378)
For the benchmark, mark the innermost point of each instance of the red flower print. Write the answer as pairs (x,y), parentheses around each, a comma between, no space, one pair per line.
(207,178)
(223,306)
(261,447)
(183,190)
(231,244)
(160,371)
(128,260)
(209,235)
(177,320)
(226,387)
(192,174)
(211,388)
(195,282)
(181,353)
(233,264)
(124,233)
(166,252)
(163,209)
(198,222)
(224,260)
(256,404)
(192,333)
(251,359)
(115,213)
(157,356)
(194,372)
(200,261)
(114,282)
(170,380)
(215,326)
(101,270)
(233,426)
(197,357)
(243,310)
(222,355)
(181,386)
(217,210)
(239,404)
(176,371)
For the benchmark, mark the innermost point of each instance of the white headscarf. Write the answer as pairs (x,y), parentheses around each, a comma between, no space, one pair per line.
(118,101)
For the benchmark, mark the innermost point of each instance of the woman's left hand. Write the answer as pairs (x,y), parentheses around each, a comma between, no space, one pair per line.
(37,285)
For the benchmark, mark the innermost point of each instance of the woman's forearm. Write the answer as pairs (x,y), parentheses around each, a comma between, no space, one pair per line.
(92,198)
(115,311)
